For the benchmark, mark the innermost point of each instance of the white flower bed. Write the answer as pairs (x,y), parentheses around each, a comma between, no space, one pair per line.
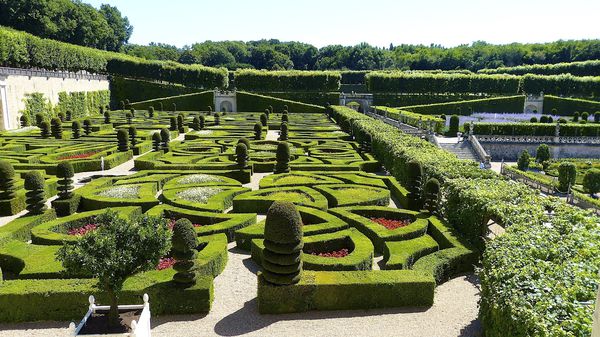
(199,194)
(204,132)
(121,192)
(198,179)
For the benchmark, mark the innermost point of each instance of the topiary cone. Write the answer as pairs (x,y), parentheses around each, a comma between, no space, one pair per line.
(184,248)
(65,171)
(7,181)
(36,195)
(282,158)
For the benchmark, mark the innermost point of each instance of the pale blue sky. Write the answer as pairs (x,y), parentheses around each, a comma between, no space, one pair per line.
(348,22)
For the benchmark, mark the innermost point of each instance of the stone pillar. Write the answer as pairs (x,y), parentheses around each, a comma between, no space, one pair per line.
(557,133)
(4,113)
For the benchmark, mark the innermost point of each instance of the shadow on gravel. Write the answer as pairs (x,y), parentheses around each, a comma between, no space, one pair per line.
(474,329)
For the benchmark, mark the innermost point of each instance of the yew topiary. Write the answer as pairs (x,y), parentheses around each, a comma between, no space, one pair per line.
(56,127)
(65,171)
(150,112)
(173,123)
(282,158)
(263,119)
(453,125)
(523,162)
(129,117)
(156,141)
(107,117)
(432,195)
(62,117)
(24,121)
(180,123)
(196,123)
(241,155)
(45,129)
(184,247)
(567,175)
(122,140)
(217,118)
(160,106)
(39,118)
(283,131)
(267,112)
(174,107)
(282,256)
(165,136)
(285,118)
(76,129)
(133,135)
(415,183)
(87,126)
(69,115)
(591,181)
(245,141)
(258,131)
(7,181)
(36,194)
(132,111)
(122,105)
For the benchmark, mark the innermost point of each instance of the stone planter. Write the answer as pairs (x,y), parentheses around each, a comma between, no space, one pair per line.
(139,328)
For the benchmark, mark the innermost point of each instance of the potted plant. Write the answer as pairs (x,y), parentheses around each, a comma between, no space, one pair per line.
(95,254)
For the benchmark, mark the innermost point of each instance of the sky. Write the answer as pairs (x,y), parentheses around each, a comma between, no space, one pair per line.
(349,22)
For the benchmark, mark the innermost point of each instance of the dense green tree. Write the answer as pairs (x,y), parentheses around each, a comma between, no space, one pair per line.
(591,181)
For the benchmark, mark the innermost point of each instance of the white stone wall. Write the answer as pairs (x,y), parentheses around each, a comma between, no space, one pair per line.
(14,84)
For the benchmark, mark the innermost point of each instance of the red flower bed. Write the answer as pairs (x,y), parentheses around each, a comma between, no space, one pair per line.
(165,263)
(171,224)
(83,230)
(78,156)
(390,223)
(336,253)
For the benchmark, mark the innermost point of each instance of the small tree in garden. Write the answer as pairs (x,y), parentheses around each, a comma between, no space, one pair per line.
(133,135)
(180,123)
(523,162)
(62,117)
(285,119)
(585,115)
(432,195)
(245,141)
(56,127)
(7,181)
(202,122)
(209,112)
(567,173)
(185,244)
(129,117)
(591,181)
(36,194)
(258,131)
(122,140)
(107,117)
(282,256)
(156,141)
(45,129)
(165,136)
(150,112)
(217,118)
(542,155)
(241,155)
(65,172)
(69,115)
(196,123)
(173,123)
(24,121)
(76,129)
(263,119)
(576,116)
(415,185)
(285,112)
(453,125)
(116,250)
(39,118)
(282,157)
(283,131)
(87,126)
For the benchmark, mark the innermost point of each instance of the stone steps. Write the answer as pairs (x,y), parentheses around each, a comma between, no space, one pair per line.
(463,150)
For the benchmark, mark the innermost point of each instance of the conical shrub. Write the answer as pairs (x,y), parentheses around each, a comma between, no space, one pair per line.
(415,185)
(282,157)
(184,249)
(7,181)
(122,140)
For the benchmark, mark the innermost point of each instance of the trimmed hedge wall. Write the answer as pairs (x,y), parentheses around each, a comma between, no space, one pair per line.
(291,80)
(316,98)
(580,68)
(139,90)
(536,129)
(495,104)
(253,102)
(567,106)
(199,101)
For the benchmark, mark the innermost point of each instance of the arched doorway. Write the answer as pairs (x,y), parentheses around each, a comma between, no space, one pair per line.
(531,108)
(226,106)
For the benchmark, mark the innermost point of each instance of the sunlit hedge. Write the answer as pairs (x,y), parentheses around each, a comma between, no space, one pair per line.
(581,68)
(293,80)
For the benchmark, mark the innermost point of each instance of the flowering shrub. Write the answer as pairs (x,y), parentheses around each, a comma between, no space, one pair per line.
(165,263)
(83,230)
(336,253)
(390,223)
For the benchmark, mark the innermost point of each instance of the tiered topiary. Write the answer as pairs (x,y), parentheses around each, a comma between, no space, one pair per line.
(123,141)
(282,256)
(184,248)
(165,137)
(218,118)
(7,181)
(285,118)
(283,131)
(245,141)
(132,111)
(283,158)
(56,127)
(36,195)
(65,171)
(45,129)
(285,108)
(415,182)
(263,119)
(173,123)
(267,112)
(156,141)
(241,155)
(180,125)
(39,118)
(258,131)
(285,112)
(87,126)
(107,117)
(133,135)
(432,195)
(150,112)
(523,162)
(24,121)
(129,117)
(76,129)
(271,109)
(202,122)
(69,115)
(196,123)
(62,117)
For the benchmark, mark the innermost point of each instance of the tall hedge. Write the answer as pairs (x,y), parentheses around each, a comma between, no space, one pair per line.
(253,102)
(292,80)
(579,68)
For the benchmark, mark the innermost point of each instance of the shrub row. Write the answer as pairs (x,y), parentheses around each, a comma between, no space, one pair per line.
(495,104)
(253,102)
(478,83)
(293,80)
(316,98)
(536,129)
(567,106)
(199,101)
(140,90)
(411,118)
(579,68)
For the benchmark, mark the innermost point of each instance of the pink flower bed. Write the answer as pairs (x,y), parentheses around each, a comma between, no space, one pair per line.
(391,224)
(165,263)
(336,253)
(83,230)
